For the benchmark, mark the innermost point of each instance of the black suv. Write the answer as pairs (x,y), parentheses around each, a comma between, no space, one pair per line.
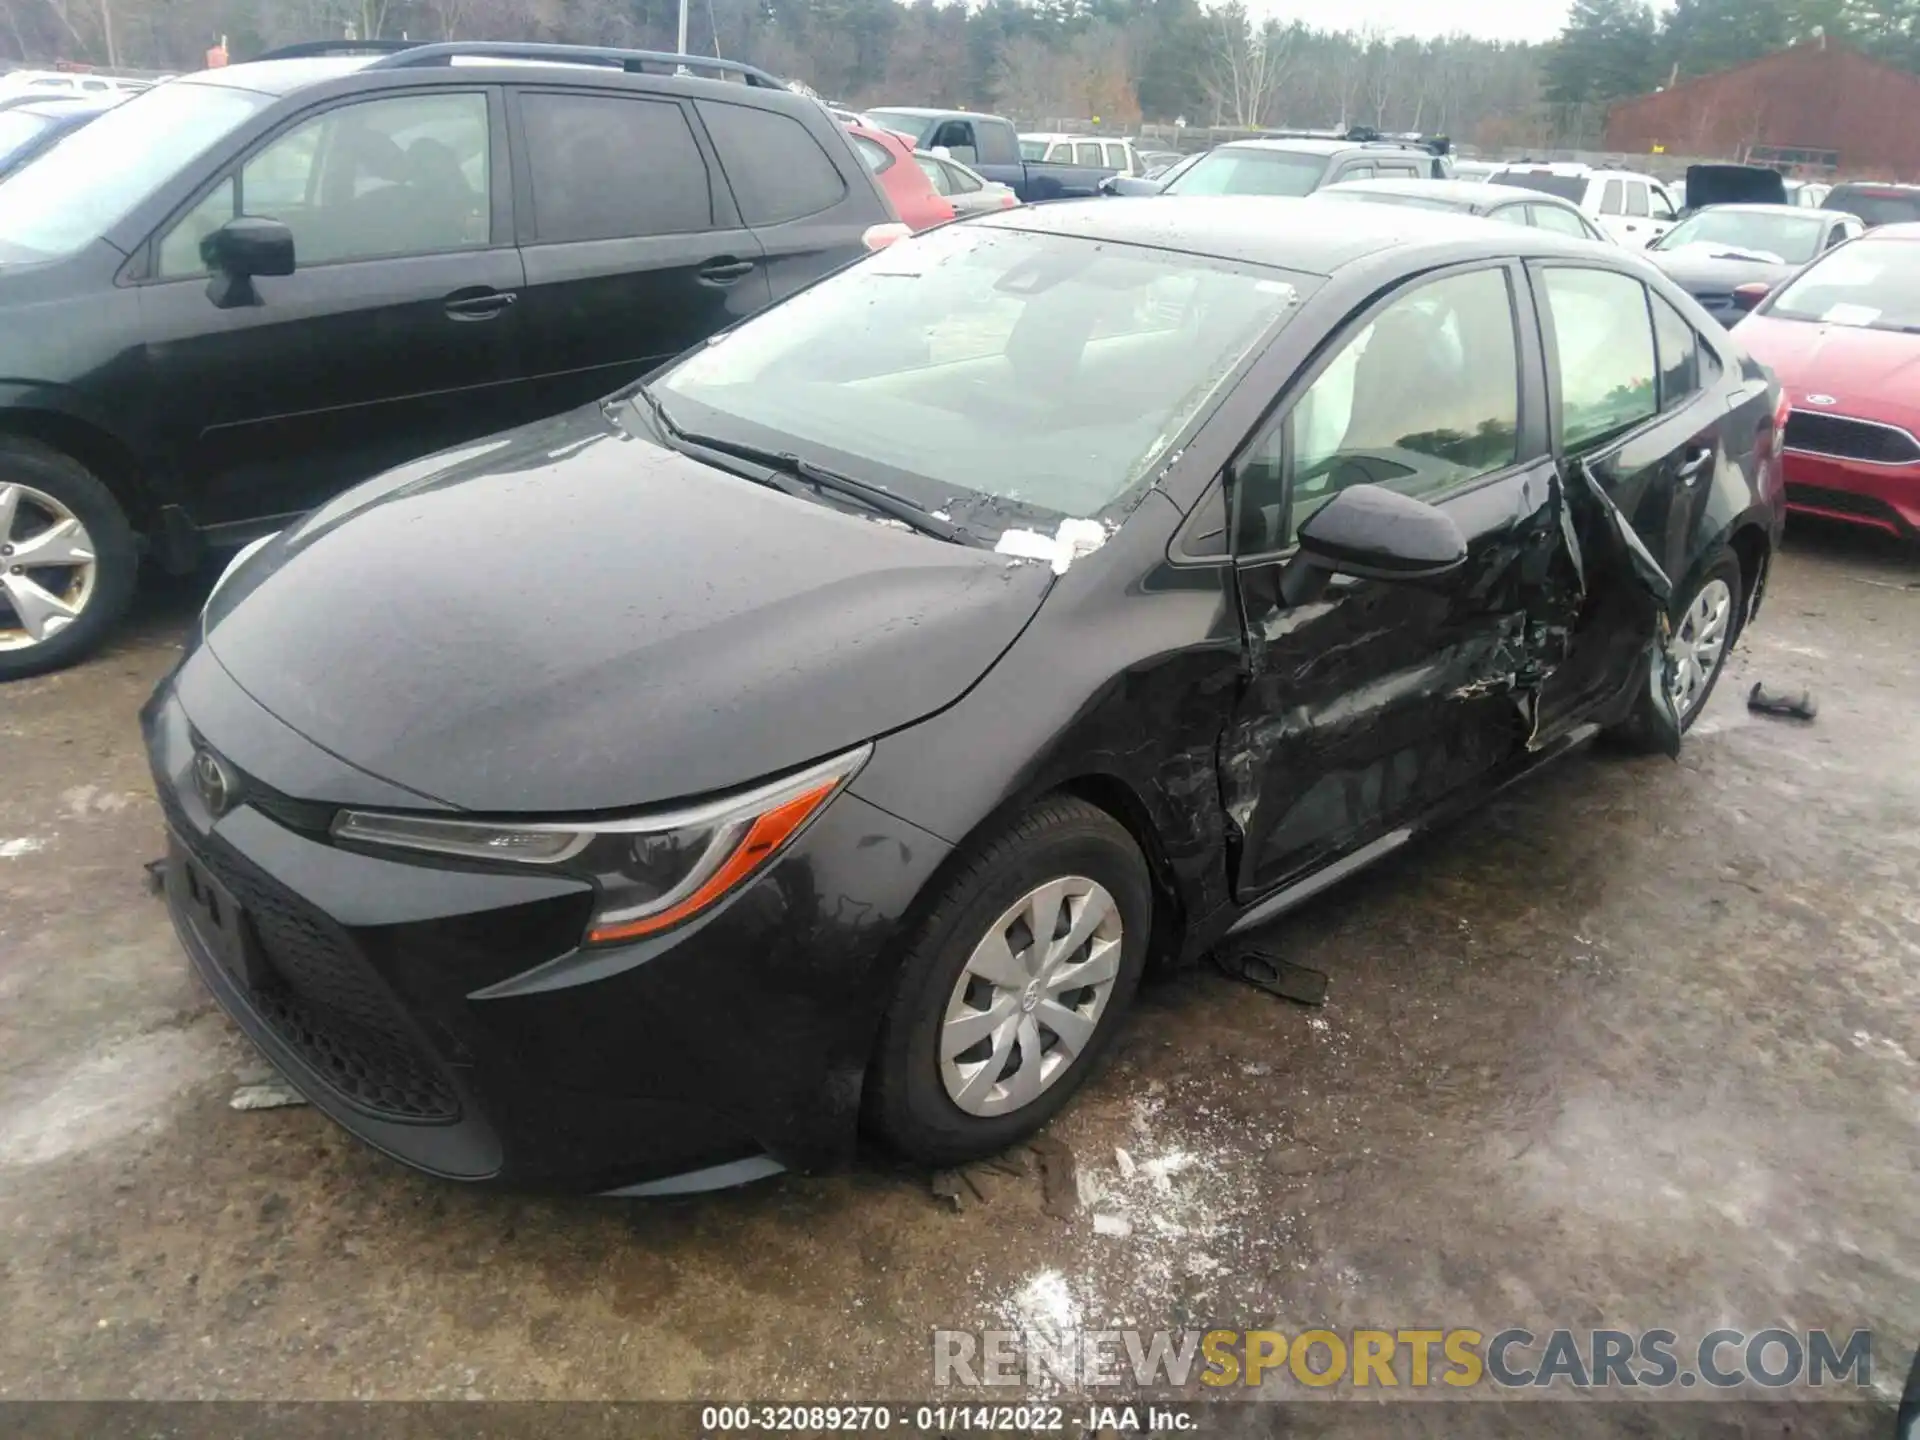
(243,291)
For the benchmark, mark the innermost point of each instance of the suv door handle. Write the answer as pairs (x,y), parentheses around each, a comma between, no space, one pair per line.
(1693,464)
(484,305)
(725,270)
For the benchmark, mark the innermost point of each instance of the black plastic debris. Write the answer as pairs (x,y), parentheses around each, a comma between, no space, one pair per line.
(1273,973)
(1795,705)
(156,874)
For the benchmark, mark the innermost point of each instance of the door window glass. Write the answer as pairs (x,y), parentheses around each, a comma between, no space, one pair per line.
(778,171)
(1424,398)
(1116,157)
(875,156)
(1357,172)
(1636,198)
(1509,214)
(956,138)
(607,167)
(1604,353)
(959,182)
(1058,154)
(405,176)
(180,249)
(1613,199)
(935,172)
(1561,222)
(1662,204)
(1836,235)
(1086,154)
(1682,362)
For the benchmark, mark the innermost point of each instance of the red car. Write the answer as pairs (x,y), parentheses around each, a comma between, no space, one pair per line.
(890,157)
(1844,338)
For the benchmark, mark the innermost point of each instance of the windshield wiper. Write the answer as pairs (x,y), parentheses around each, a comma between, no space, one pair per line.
(785,462)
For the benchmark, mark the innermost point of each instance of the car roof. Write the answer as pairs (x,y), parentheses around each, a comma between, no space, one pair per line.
(1315,145)
(1299,235)
(279,77)
(1468,194)
(1905,230)
(56,105)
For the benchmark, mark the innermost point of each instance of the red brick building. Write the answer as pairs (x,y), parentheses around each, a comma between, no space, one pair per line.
(1810,107)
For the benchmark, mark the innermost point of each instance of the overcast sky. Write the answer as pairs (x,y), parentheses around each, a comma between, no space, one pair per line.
(1489,19)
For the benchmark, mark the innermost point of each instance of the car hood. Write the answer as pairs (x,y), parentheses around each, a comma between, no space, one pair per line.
(1716,269)
(1734,185)
(567,618)
(1869,374)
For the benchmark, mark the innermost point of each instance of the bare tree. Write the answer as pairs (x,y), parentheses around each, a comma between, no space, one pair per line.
(1246,66)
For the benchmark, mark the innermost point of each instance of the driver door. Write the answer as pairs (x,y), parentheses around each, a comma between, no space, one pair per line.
(1370,704)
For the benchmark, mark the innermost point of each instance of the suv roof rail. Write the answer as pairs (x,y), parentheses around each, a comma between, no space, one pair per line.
(311,49)
(635,62)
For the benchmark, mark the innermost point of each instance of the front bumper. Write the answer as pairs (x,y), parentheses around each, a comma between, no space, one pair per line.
(1884,497)
(446,1016)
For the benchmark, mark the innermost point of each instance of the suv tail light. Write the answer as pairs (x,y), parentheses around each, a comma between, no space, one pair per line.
(879,237)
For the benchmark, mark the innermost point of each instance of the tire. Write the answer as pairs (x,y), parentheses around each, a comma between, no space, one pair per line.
(910,1103)
(49,488)
(1722,570)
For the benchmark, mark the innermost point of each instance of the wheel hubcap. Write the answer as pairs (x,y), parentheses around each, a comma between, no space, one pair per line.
(47,566)
(1699,644)
(1030,996)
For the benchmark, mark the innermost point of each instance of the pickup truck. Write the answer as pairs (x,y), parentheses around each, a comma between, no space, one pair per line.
(990,145)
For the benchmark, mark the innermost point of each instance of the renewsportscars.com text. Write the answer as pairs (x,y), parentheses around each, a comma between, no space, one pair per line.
(1513,1359)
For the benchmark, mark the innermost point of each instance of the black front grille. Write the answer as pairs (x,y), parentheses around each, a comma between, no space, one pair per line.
(1849,439)
(323,1000)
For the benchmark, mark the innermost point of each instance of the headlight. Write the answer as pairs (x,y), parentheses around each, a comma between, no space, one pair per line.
(652,871)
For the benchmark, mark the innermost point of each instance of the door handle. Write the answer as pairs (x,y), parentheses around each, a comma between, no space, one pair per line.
(1694,464)
(484,306)
(725,270)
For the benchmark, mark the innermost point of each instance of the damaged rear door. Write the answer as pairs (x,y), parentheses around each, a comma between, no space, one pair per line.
(1368,704)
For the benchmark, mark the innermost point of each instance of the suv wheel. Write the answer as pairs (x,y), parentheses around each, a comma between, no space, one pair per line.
(67,559)
(1015,987)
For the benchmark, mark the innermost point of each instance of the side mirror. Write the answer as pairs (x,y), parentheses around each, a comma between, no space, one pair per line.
(1109,186)
(245,247)
(1372,534)
(1746,297)
(941,152)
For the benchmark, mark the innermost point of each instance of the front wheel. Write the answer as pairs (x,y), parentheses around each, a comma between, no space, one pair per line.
(1704,625)
(67,559)
(1015,986)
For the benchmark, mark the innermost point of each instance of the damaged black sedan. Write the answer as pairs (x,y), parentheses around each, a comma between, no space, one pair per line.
(825,734)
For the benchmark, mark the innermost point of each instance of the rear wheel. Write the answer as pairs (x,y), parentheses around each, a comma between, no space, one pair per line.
(1015,987)
(67,559)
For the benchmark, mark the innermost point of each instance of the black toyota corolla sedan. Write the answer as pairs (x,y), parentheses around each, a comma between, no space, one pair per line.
(825,733)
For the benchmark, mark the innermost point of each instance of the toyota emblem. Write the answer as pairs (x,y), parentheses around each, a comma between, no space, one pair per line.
(213,782)
(1821,400)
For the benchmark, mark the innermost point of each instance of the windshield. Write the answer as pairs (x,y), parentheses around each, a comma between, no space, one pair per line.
(93,179)
(1874,283)
(1788,239)
(1566,187)
(914,127)
(18,129)
(982,372)
(1877,207)
(1234,171)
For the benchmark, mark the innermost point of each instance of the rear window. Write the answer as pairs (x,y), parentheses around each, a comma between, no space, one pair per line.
(1032,149)
(778,171)
(1877,205)
(606,167)
(1564,187)
(875,156)
(1233,171)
